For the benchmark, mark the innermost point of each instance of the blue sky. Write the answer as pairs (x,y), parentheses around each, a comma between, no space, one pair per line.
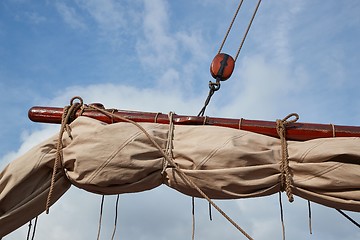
(300,56)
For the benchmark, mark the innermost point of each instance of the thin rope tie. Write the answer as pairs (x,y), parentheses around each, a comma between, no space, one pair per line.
(169,142)
(177,169)
(285,177)
(100,216)
(116,216)
(68,113)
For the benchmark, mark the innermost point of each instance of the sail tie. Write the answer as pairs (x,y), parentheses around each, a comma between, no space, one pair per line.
(285,177)
(169,143)
(67,116)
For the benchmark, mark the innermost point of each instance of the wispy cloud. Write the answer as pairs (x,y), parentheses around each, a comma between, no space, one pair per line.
(35,17)
(70,15)
(158,47)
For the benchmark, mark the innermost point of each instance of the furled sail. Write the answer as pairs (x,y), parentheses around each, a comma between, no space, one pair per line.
(224,163)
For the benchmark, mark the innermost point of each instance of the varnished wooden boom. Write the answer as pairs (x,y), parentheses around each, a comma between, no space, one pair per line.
(295,131)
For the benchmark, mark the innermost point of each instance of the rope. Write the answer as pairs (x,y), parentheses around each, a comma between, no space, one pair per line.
(231,24)
(348,218)
(169,142)
(173,164)
(212,90)
(34,229)
(29,230)
(116,216)
(100,216)
(285,177)
(68,114)
(309,212)
(247,30)
(282,217)
(193,217)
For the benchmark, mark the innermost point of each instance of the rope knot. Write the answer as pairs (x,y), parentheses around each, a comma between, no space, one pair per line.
(67,116)
(285,177)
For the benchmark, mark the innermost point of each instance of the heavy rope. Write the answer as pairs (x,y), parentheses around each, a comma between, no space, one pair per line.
(285,177)
(173,164)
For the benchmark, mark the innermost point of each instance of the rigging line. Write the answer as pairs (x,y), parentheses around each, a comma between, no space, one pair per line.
(348,217)
(33,233)
(231,24)
(193,217)
(100,217)
(116,216)
(29,230)
(309,212)
(247,30)
(282,217)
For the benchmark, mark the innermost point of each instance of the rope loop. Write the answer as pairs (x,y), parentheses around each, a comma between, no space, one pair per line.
(285,177)
(67,116)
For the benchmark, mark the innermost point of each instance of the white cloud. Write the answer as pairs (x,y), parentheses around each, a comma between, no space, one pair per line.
(108,14)
(35,17)
(70,15)
(158,48)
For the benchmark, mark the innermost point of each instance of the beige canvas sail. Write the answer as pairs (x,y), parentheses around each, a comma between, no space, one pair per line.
(224,163)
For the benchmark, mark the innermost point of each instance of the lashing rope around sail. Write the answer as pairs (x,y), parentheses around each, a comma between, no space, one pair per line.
(285,177)
(68,115)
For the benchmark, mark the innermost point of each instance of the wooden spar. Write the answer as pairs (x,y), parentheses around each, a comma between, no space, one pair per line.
(295,131)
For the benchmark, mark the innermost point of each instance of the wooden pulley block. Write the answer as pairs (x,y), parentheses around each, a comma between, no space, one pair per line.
(222,66)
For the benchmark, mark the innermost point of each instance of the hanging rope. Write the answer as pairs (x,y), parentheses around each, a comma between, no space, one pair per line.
(33,231)
(116,216)
(193,217)
(100,216)
(282,217)
(309,214)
